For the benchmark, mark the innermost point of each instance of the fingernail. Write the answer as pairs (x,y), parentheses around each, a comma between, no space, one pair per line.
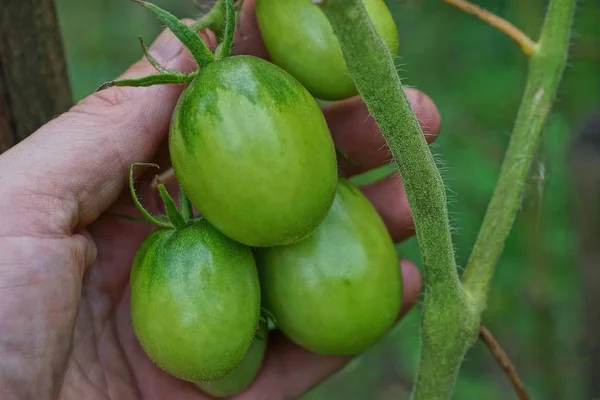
(166,47)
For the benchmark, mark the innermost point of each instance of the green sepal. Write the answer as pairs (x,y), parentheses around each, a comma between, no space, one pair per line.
(172,212)
(186,206)
(149,217)
(151,80)
(187,35)
(153,61)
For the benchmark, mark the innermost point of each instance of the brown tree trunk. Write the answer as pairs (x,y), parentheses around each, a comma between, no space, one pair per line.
(586,177)
(34,84)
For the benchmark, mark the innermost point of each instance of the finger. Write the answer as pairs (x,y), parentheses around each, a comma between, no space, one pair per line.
(247,35)
(289,370)
(389,198)
(356,133)
(82,158)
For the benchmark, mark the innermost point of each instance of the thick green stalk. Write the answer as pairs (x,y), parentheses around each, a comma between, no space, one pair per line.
(545,71)
(449,325)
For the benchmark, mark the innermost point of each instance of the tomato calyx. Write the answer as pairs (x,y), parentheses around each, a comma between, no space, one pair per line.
(221,18)
(175,218)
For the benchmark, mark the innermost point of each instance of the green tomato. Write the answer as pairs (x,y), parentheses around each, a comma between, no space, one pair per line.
(195,301)
(251,148)
(300,40)
(245,373)
(338,291)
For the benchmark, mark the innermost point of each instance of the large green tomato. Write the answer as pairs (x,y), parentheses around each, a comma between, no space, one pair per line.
(195,301)
(338,291)
(252,150)
(245,373)
(300,40)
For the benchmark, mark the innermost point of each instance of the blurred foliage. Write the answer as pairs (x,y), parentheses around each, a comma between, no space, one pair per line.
(476,76)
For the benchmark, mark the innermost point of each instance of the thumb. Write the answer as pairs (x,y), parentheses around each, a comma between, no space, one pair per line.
(75,167)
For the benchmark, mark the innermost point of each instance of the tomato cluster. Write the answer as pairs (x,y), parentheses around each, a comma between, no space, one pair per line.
(278,231)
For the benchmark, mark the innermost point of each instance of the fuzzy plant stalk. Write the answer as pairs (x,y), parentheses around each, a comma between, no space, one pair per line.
(546,67)
(449,325)
(451,312)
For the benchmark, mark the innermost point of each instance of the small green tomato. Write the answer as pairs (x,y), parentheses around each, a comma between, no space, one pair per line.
(338,291)
(300,40)
(195,301)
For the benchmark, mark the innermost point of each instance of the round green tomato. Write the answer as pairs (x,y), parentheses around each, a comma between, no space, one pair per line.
(252,150)
(338,291)
(195,301)
(300,40)
(245,373)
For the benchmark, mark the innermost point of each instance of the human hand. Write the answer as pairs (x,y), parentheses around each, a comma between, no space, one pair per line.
(64,269)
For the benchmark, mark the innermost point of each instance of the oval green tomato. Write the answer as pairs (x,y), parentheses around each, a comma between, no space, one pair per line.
(195,301)
(300,40)
(244,374)
(252,150)
(338,291)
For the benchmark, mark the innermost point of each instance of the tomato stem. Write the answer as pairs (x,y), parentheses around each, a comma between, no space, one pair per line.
(147,215)
(226,45)
(546,67)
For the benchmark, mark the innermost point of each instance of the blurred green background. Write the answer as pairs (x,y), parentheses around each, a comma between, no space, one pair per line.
(476,76)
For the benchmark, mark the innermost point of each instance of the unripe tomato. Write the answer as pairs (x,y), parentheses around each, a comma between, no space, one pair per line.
(338,291)
(195,301)
(244,374)
(300,40)
(251,148)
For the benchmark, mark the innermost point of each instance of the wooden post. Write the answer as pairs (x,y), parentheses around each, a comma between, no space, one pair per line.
(34,84)
(585,167)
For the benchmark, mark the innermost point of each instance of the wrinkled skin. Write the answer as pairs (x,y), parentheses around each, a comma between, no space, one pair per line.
(337,291)
(195,301)
(65,262)
(253,152)
(300,40)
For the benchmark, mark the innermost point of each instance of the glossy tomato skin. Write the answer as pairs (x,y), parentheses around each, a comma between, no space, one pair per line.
(300,40)
(195,301)
(252,150)
(244,374)
(339,290)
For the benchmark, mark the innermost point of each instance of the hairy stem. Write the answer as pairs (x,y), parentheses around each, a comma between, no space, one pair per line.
(545,72)
(227,43)
(449,325)
(149,217)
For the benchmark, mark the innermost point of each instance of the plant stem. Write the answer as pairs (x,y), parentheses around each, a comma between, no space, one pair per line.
(504,362)
(227,43)
(449,325)
(545,72)
(527,45)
